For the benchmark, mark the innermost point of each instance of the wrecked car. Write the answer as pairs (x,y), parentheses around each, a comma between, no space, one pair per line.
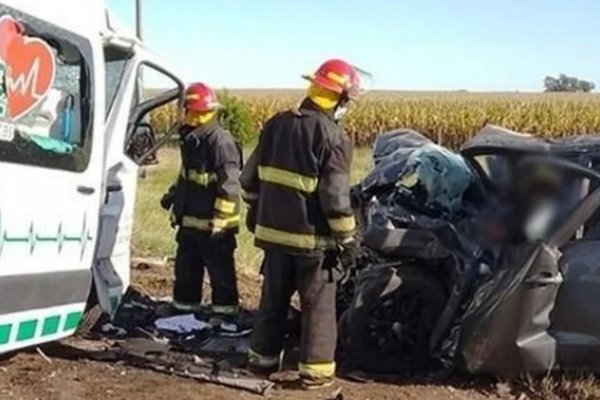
(485,261)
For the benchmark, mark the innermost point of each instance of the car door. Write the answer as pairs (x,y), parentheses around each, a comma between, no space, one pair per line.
(508,327)
(51,147)
(127,107)
(575,321)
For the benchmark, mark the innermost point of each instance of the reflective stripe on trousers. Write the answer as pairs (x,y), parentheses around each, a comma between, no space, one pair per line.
(287,178)
(290,239)
(342,225)
(225,310)
(186,307)
(317,370)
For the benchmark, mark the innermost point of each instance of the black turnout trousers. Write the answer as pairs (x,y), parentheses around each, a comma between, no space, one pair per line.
(284,274)
(198,250)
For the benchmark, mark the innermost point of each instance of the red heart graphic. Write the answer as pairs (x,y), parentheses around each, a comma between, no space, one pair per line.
(9,29)
(30,74)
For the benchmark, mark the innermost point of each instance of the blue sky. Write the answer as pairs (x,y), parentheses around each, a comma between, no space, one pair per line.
(495,45)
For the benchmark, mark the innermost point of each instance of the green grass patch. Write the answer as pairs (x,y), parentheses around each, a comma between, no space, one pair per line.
(152,233)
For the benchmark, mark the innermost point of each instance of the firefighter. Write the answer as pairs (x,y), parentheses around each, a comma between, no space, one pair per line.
(296,184)
(204,204)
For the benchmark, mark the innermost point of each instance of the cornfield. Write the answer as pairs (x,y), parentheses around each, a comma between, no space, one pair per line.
(447,118)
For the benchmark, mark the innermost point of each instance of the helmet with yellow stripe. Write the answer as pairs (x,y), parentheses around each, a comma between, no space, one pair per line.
(200,98)
(337,76)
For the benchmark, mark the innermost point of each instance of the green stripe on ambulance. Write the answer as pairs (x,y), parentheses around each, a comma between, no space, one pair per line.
(34,328)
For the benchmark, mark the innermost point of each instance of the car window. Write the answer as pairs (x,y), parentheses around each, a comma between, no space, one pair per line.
(592,227)
(45,96)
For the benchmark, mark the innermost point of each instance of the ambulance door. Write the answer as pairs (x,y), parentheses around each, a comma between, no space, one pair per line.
(131,97)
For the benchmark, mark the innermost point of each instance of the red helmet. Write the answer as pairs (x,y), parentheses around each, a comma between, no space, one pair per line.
(199,97)
(337,76)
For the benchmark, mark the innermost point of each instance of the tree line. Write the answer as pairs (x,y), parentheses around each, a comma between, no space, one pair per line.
(565,83)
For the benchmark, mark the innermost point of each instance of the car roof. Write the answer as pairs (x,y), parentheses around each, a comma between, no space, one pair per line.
(495,139)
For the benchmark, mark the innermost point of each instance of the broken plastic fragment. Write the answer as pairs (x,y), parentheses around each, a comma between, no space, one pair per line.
(51,145)
(181,324)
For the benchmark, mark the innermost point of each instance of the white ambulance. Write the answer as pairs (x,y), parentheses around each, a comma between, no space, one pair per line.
(71,108)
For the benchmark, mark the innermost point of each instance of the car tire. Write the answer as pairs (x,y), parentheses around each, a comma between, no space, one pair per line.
(389,332)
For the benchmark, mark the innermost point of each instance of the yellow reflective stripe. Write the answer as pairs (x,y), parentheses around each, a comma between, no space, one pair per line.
(225,206)
(342,224)
(289,239)
(249,196)
(187,307)
(196,223)
(225,310)
(230,222)
(317,370)
(290,179)
(200,178)
(208,224)
(337,78)
(257,359)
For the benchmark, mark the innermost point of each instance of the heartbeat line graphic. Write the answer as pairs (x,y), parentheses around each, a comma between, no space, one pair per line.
(60,239)
(26,83)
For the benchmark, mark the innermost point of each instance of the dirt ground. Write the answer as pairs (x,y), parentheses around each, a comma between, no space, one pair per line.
(54,373)
(29,376)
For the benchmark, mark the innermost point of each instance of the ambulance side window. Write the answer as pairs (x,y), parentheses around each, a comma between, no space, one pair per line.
(153,113)
(46,92)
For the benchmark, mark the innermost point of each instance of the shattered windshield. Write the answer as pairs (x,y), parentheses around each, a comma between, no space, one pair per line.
(495,167)
(45,100)
(115,65)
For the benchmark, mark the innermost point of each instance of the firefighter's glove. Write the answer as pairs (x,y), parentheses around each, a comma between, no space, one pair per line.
(217,229)
(348,252)
(167,200)
(173,220)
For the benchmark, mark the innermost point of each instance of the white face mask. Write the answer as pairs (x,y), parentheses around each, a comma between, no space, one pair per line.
(339,113)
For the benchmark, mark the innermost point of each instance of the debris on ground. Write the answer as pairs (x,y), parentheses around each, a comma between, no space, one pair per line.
(181,324)
(146,333)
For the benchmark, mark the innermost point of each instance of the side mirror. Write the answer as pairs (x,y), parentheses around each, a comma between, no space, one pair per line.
(142,144)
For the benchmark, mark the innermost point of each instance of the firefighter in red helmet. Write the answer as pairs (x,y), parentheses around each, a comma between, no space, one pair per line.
(297,186)
(204,204)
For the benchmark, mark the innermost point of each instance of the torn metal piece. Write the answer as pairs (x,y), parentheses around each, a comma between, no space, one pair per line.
(147,354)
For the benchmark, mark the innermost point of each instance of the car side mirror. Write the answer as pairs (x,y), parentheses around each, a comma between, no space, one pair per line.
(142,141)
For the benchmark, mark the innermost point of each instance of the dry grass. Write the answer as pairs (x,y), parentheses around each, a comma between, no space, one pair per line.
(559,386)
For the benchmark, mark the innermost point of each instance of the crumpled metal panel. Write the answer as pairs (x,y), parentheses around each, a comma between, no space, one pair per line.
(505,328)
